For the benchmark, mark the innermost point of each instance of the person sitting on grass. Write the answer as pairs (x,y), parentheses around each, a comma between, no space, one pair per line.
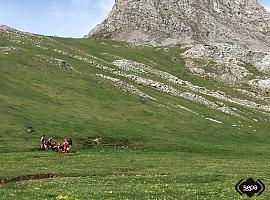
(42,142)
(58,147)
(64,148)
(69,145)
(49,143)
(65,145)
(54,146)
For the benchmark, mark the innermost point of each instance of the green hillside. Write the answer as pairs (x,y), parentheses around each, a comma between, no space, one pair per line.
(161,146)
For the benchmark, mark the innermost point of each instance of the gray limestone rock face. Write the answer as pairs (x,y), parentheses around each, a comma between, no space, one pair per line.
(164,22)
(4,28)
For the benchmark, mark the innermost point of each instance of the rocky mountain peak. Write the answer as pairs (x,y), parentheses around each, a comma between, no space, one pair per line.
(163,22)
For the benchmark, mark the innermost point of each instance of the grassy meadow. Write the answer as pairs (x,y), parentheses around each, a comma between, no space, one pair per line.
(151,151)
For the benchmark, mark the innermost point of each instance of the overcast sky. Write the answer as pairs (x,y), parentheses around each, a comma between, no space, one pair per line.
(66,18)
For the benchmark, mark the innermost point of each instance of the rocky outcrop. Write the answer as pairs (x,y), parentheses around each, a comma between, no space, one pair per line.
(132,66)
(261,85)
(6,29)
(162,22)
(59,63)
(264,64)
(127,88)
(231,33)
(7,50)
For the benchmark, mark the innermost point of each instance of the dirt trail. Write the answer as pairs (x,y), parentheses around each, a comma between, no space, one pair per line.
(28,177)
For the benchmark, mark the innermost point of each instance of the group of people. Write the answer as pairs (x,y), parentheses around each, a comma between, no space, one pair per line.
(48,144)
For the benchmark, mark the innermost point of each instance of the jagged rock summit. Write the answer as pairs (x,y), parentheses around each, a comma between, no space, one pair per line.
(163,22)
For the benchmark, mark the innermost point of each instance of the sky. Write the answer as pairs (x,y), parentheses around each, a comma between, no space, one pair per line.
(65,18)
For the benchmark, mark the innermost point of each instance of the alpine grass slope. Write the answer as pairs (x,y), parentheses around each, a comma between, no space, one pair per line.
(183,121)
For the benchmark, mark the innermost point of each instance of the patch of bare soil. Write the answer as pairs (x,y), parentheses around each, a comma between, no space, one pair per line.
(28,178)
